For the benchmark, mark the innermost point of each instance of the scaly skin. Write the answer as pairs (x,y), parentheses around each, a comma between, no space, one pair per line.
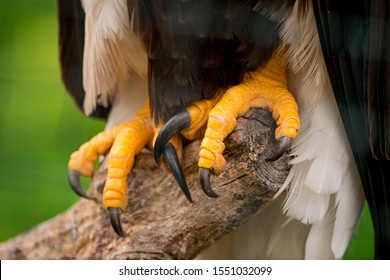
(266,89)
(126,141)
(199,113)
(84,158)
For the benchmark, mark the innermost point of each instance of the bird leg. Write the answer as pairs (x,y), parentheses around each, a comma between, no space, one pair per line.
(126,141)
(265,88)
(215,119)
(82,161)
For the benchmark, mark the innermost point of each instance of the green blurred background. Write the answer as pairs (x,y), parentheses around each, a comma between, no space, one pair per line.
(40,125)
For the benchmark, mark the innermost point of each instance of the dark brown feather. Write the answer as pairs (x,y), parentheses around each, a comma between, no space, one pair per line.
(378,87)
(196,48)
(71,19)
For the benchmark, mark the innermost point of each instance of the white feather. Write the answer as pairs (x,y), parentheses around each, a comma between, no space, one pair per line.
(323,187)
(300,32)
(350,202)
(317,243)
(130,96)
(112,53)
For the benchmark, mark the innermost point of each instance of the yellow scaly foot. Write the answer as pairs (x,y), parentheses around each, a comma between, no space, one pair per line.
(265,88)
(125,141)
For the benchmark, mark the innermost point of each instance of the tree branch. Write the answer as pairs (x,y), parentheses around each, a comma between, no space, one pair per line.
(160,222)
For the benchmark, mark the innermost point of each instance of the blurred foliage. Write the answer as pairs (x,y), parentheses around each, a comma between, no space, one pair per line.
(40,126)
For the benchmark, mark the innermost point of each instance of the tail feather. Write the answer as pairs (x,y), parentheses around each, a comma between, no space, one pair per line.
(350,203)
(318,245)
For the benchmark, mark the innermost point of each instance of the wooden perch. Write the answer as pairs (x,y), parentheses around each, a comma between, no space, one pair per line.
(160,222)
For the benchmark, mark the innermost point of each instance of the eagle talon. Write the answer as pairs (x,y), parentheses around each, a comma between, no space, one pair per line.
(204,178)
(174,126)
(74,182)
(115,219)
(283,144)
(172,160)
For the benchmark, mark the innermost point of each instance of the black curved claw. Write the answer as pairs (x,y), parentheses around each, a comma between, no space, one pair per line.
(204,178)
(175,125)
(283,144)
(171,158)
(115,219)
(74,182)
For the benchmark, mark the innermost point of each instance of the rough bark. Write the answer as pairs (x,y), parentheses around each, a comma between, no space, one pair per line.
(160,222)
